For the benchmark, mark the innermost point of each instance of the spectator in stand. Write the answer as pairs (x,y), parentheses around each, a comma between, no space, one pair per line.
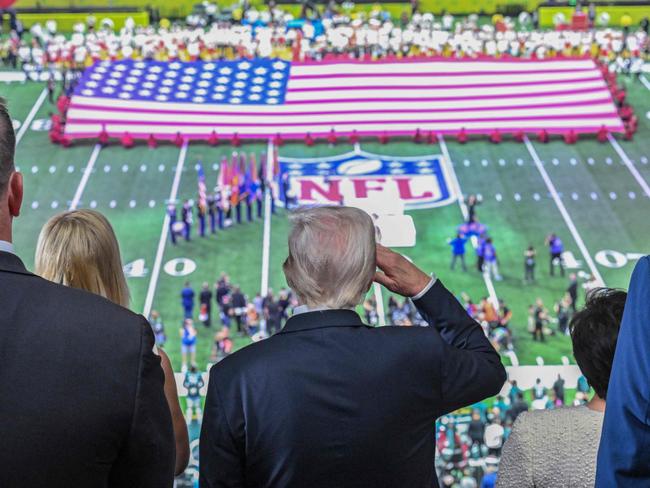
(539,390)
(513,394)
(70,388)
(458,251)
(187,300)
(79,249)
(158,328)
(188,343)
(582,390)
(494,433)
(529,264)
(476,429)
(572,290)
(555,248)
(491,259)
(624,456)
(519,406)
(326,387)
(193,383)
(558,447)
(205,299)
(558,389)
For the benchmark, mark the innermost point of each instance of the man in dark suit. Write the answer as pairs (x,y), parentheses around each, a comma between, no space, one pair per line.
(329,401)
(82,391)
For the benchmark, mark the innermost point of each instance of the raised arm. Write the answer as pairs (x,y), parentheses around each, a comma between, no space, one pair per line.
(624,454)
(471,368)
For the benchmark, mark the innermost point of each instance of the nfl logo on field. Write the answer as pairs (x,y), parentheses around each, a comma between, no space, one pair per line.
(419,182)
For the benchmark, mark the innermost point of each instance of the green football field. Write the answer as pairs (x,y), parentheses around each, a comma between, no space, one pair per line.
(594,196)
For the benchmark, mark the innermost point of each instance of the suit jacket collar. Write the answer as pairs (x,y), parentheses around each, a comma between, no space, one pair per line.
(12,263)
(322,318)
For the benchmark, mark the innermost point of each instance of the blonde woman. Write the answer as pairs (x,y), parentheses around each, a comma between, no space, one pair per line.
(79,249)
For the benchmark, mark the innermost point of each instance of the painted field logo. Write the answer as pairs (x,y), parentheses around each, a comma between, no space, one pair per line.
(421,182)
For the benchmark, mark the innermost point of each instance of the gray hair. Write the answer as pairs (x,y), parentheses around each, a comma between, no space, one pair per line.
(332,256)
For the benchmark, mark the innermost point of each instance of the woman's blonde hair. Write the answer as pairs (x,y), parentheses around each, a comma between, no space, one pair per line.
(79,249)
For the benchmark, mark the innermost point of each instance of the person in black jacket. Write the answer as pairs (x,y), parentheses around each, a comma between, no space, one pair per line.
(329,401)
(89,409)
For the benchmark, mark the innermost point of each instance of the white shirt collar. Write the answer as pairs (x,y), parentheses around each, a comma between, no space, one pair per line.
(304,309)
(7,247)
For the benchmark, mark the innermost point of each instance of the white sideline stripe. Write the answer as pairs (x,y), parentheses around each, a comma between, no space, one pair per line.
(645,82)
(153,283)
(266,240)
(84,177)
(565,214)
(31,115)
(463,209)
(513,358)
(630,166)
(379,300)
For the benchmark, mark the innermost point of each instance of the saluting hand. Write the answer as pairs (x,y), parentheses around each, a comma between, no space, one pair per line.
(398,274)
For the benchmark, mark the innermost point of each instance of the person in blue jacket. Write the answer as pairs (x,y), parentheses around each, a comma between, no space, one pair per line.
(187,300)
(458,250)
(624,453)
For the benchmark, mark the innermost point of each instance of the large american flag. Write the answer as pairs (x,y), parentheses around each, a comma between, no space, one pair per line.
(259,98)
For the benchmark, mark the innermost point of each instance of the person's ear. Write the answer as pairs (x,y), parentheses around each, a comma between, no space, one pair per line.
(15,193)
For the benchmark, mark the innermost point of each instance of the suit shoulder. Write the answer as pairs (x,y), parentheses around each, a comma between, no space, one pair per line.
(244,358)
(76,303)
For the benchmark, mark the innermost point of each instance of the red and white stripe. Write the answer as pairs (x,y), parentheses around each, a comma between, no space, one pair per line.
(373,98)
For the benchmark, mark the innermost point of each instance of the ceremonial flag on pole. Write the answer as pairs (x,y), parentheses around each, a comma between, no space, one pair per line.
(203,197)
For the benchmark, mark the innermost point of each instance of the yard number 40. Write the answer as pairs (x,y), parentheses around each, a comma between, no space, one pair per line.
(173,267)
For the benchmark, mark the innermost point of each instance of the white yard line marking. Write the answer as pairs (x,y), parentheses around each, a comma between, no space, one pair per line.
(31,115)
(645,82)
(266,240)
(164,234)
(630,166)
(463,209)
(565,214)
(84,177)
(379,300)
(513,357)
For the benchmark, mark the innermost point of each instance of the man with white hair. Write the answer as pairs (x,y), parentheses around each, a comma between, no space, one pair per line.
(329,401)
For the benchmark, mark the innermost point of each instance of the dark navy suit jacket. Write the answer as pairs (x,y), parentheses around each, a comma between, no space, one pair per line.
(330,402)
(81,391)
(624,452)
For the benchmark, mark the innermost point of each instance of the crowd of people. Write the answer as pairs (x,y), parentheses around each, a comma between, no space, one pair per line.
(231,313)
(495,317)
(316,35)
